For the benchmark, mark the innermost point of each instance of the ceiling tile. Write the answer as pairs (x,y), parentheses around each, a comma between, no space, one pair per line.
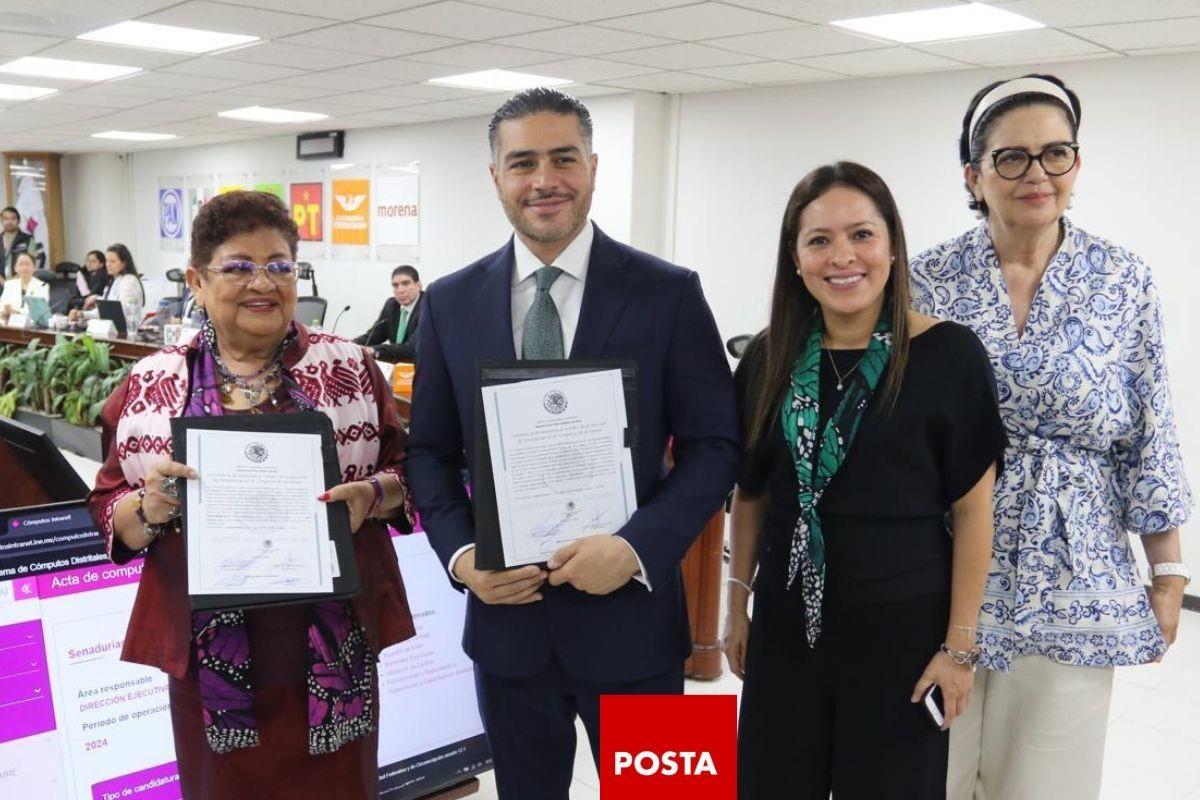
(767,72)
(449,109)
(372,101)
(104,99)
(798,42)
(1141,35)
(583,70)
(253,21)
(323,8)
(271,94)
(676,82)
(590,90)
(14,45)
(356,38)
(214,67)
(580,11)
(1162,51)
(459,20)
(885,61)
(481,55)
(1022,47)
(111,54)
(120,87)
(393,70)
(584,40)
(682,56)
(1071,13)
(428,92)
(182,83)
(57,110)
(332,81)
(298,56)
(69,18)
(393,117)
(701,21)
(826,10)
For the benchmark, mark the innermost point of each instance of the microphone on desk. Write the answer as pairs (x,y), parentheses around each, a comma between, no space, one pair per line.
(338,318)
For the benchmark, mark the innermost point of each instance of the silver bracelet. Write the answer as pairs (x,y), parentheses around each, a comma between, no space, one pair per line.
(743,584)
(963,658)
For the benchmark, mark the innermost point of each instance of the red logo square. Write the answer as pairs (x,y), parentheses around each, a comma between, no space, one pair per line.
(668,747)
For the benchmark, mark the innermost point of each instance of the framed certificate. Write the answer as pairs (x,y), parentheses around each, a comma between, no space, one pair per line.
(254,530)
(553,456)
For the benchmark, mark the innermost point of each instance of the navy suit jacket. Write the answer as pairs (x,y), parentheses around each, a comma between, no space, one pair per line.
(635,306)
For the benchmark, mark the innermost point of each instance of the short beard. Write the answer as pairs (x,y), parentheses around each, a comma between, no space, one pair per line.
(578,218)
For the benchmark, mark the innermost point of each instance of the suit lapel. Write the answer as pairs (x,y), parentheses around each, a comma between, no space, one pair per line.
(610,279)
(493,303)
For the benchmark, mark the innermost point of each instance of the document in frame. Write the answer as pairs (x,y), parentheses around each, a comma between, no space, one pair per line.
(559,461)
(254,523)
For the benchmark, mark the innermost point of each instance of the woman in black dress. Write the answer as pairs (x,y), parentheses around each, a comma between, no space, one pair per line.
(868,428)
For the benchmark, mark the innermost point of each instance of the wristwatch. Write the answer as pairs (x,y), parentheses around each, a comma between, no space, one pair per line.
(1175,568)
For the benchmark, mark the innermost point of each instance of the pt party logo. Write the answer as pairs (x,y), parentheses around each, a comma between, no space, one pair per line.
(668,747)
(170,213)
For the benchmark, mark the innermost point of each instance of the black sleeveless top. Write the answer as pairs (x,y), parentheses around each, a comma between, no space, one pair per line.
(883,515)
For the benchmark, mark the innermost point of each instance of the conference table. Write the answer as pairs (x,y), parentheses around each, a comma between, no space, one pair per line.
(702,566)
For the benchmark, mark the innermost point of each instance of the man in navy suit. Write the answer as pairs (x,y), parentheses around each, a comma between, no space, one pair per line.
(607,614)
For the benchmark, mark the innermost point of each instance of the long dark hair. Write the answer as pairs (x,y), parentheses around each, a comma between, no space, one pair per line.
(126,258)
(793,306)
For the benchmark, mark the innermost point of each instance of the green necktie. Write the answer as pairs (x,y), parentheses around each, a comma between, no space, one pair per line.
(402,326)
(543,337)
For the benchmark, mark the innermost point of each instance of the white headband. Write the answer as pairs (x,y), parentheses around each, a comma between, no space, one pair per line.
(1014,87)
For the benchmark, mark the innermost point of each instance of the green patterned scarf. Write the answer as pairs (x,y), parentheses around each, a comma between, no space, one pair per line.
(801,416)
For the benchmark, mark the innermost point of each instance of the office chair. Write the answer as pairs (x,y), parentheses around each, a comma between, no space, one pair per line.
(310,311)
(737,345)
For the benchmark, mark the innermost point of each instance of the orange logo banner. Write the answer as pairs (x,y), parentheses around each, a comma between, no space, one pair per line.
(307,210)
(352,211)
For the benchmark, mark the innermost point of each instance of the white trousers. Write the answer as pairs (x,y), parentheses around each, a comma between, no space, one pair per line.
(1036,732)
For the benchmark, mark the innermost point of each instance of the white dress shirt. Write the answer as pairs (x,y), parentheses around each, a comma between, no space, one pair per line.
(14,299)
(567,293)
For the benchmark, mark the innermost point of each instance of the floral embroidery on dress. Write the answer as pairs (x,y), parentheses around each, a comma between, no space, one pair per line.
(1093,452)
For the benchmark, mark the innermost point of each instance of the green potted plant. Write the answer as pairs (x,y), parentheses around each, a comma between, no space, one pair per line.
(25,369)
(79,382)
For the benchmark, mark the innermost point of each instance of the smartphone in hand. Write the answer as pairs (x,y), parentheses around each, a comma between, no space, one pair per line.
(932,701)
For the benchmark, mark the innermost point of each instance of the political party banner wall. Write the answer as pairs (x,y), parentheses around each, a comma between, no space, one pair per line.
(397,214)
(271,188)
(77,723)
(171,214)
(351,216)
(308,210)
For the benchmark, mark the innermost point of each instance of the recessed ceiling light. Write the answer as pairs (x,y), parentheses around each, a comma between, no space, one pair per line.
(11,91)
(499,80)
(263,114)
(66,70)
(166,37)
(134,136)
(936,24)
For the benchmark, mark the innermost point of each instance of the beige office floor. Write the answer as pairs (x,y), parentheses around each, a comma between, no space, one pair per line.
(1153,727)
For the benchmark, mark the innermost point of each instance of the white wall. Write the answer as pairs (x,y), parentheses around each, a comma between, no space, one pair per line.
(97,203)
(461,219)
(740,154)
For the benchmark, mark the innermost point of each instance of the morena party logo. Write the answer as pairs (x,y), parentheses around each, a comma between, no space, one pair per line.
(555,401)
(668,747)
(256,452)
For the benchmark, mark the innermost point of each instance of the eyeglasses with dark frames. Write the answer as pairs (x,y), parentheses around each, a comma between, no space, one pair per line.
(1012,163)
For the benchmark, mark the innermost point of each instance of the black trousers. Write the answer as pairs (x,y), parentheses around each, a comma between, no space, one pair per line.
(837,718)
(530,724)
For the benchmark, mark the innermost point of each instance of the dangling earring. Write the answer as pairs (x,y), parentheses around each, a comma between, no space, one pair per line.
(1071,201)
(979,213)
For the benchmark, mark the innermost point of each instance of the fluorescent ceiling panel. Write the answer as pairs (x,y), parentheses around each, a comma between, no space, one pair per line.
(11,91)
(937,24)
(134,136)
(499,80)
(63,69)
(273,115)
(171,38)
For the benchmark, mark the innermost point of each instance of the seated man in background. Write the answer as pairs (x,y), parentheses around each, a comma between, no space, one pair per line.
(393,337)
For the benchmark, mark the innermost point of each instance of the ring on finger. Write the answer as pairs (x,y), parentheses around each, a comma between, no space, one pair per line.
(170,485)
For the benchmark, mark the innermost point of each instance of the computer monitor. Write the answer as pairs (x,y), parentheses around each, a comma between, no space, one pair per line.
(42,460)
(112,310)
(54,537)
(39,311)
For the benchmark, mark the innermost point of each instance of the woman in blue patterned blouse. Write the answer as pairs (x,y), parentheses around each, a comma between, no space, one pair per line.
(1074,328)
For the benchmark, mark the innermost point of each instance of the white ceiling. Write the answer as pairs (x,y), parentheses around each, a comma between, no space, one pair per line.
(365,62)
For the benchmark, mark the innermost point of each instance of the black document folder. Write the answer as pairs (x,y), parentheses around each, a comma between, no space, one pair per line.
(489,547)
(346,584)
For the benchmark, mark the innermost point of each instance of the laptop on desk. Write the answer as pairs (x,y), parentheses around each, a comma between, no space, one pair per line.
(112,310)
(39,312)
